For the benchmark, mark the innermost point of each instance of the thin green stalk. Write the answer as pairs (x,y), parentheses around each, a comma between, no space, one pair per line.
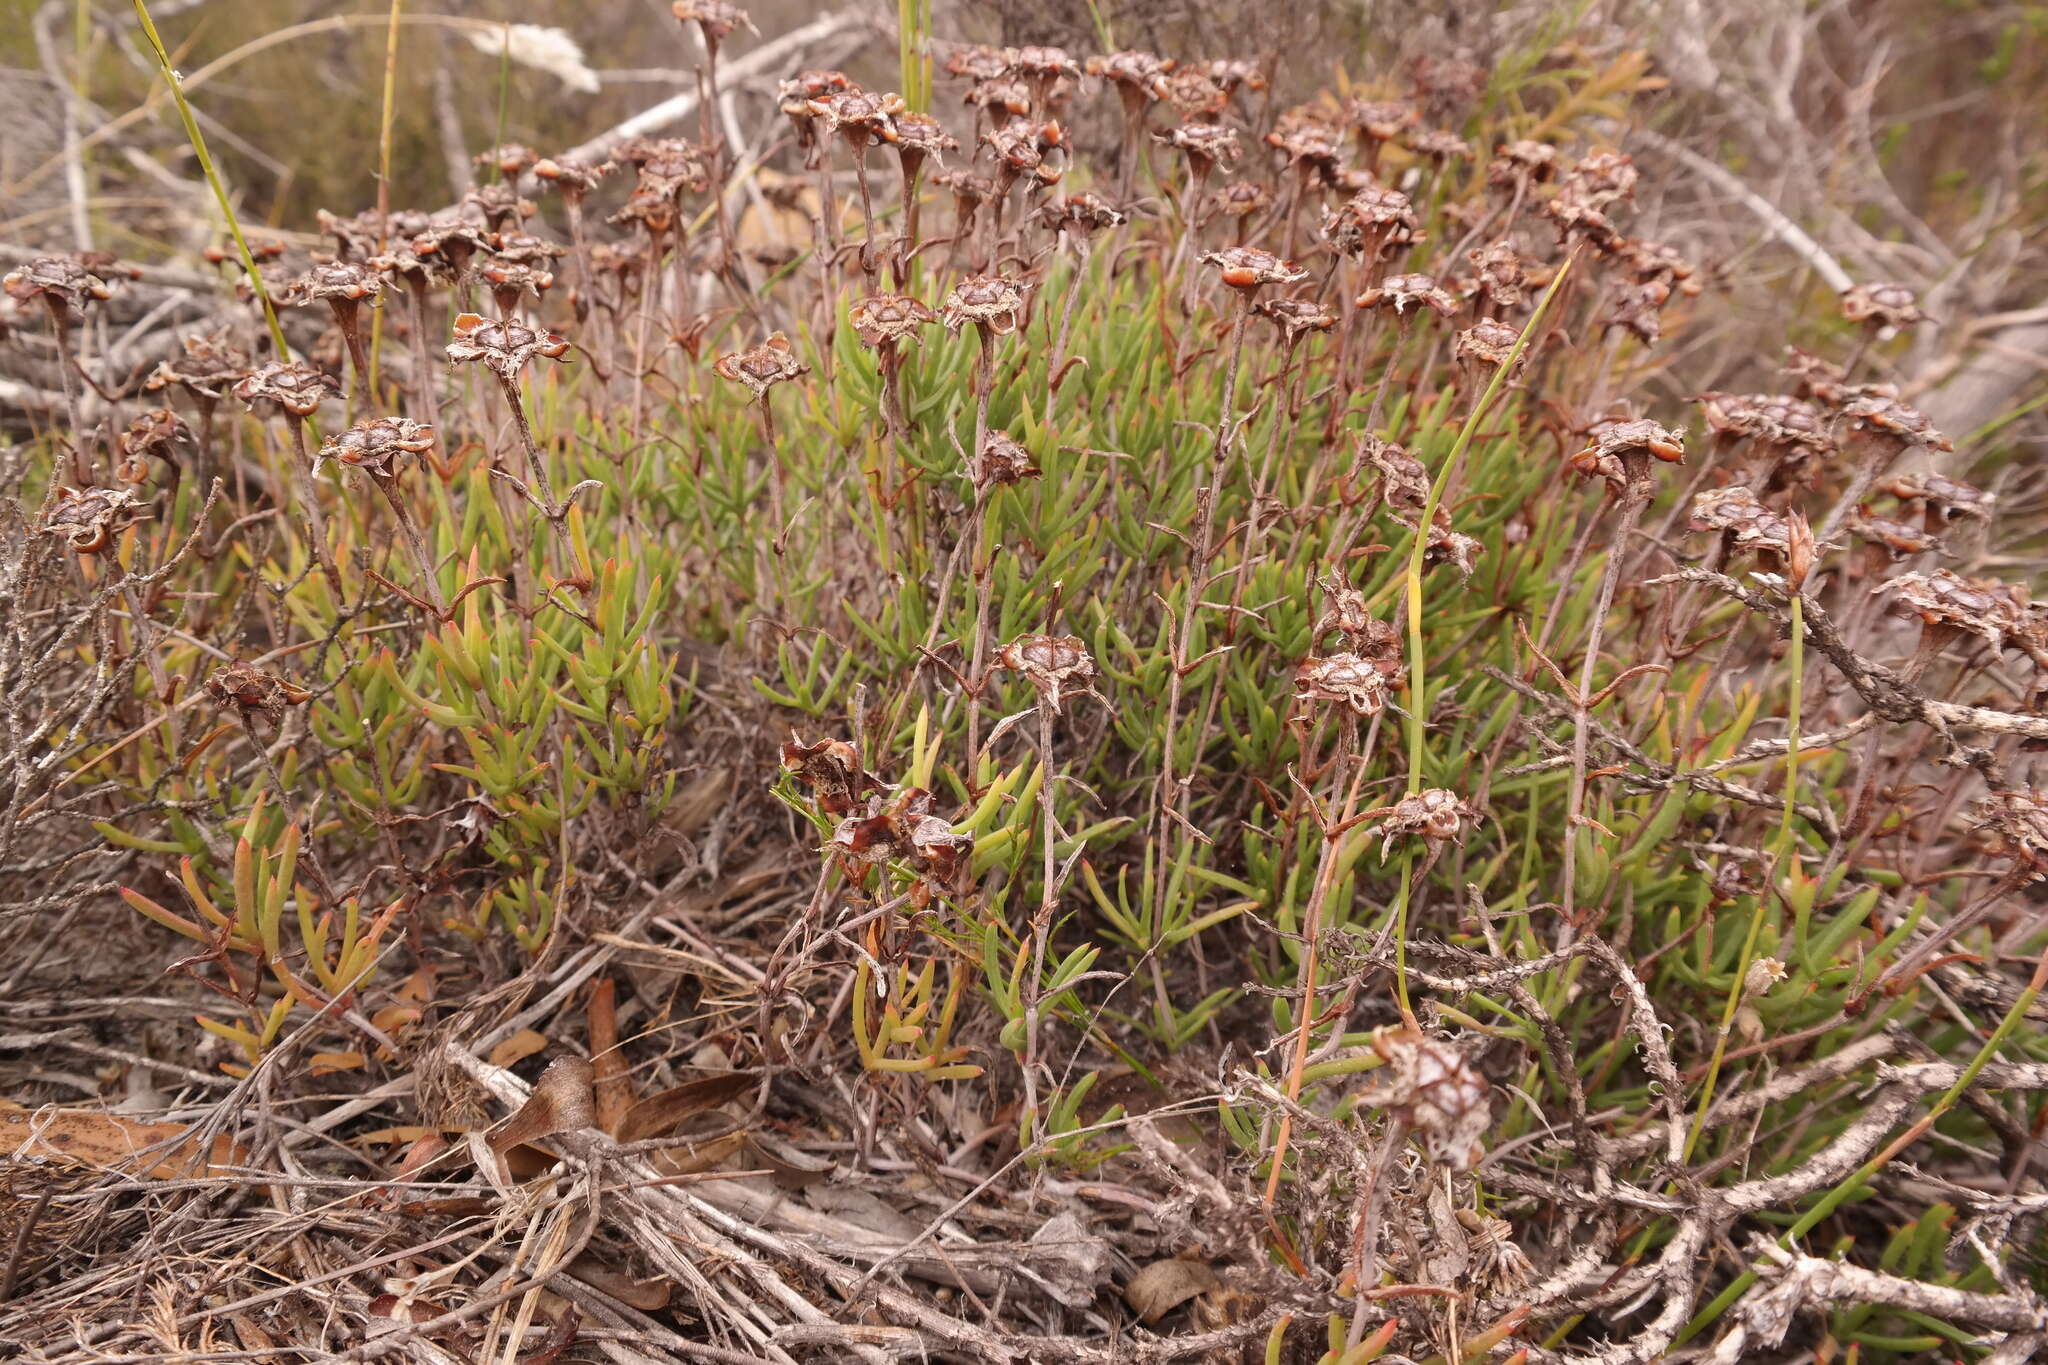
(1417,664)
(220,194)
(1797,660)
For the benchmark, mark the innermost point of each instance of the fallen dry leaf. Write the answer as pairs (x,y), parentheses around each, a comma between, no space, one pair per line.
(93,1138)
(1163,1286)
(517,1048)
(659,1114)
(614,1082)
(560,1103)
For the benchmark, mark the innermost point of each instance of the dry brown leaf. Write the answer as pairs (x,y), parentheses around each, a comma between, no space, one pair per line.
(1163,1286)
(789,1168)
(517,1048)
(560,1103)
(93,1138)
(659,1114)
(649,1296)
(694,1158)
(614,1083)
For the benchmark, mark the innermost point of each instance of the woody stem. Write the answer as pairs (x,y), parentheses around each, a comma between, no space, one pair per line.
(316,521)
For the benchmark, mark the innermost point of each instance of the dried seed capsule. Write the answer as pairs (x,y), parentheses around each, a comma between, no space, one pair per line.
(885,319)
(1402,292)
(1977,606)
(506,346)
(1348,680)
(1432,1091)
(378,445)
(1882,305)
(990,301)
(90,518)
(1002,460)
(1247,269)
(1054,664)
(831,769)
(2015,824)
(293,387)
(249,689)
(1437,814)
(762,368)
(1296,317)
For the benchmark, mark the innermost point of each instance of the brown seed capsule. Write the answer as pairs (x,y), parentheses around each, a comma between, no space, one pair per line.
(886,319)
(1364,635)
(248,689)
(653,212)
(157,434)
(211,365)
(1977,606)
(1402,292)
(901,826)
(1381,120)
(1522,163)
(90,518)
(1136,74)
(1771,419)
(1735,513)
(1083,215)
(1296,318)
(1002,460)
(1882,415)
(1404,480)
(339,281)
(378,445)
(1372,221)
(1946,497)
(1309,140)
(977,62)
(506,346)
(1434,813)
(1437,144)
(1434,1093)
(1235,74)
(762,368)
(293,387)
(511,159)
(831,769)
(668,167)
(1602,178)
(990,301)
(500,204)
(1882,305)
(570,178)
(1626,441)
(2015,824)
(1500,275)
(716,19)
(1241,199)
(1445,546)
(1247,269)
(449,242)
(1194,94)
(1348,680)
(65,284)
(1899,539)
(1487,343)
(1204,144)
(1054,664)
(917,137)
(858,116)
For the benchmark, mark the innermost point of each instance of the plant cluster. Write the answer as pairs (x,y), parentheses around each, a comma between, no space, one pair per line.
(1221,678)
